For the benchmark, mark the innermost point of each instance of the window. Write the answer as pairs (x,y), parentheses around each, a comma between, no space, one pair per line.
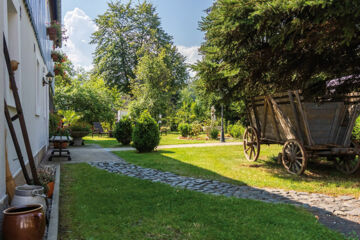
(13,43)
(38,89)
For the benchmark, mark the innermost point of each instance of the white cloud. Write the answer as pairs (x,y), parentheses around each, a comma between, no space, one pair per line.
(191,53)
(79,28)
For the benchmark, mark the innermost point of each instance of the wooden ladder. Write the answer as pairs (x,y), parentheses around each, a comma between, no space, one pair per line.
(19,115)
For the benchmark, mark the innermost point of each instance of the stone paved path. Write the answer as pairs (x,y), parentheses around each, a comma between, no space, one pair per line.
(340,213)
(180,146)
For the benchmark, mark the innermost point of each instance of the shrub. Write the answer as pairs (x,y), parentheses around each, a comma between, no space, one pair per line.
(80,126)
(173,126)
(54,123)
(184,129)
(146,135)
(123,130)
(214,132)
(196,128)
(236,130)
(356,130)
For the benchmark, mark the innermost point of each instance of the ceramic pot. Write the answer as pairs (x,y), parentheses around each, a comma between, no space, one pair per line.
(25,222)
(50,186)
(29,194)
(51,31)
(79,134)
(63,145)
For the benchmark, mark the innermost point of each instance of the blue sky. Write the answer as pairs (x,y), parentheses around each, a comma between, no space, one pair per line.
(179,18)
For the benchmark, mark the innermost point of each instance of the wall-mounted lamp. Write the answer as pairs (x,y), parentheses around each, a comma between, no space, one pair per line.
(49,77)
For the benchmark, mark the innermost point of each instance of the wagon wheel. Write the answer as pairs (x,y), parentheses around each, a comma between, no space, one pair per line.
(251,144)
(294,157)
(347,164)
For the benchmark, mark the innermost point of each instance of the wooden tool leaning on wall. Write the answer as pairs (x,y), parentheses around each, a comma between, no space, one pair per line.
(18,116)
(10,183)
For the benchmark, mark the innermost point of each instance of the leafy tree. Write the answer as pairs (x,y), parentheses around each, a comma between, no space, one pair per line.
(93,99)
(254,46)
(123,32)
(69,117)
(156,84)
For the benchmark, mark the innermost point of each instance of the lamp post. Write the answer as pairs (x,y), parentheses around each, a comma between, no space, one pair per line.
(222,136)
(159,122)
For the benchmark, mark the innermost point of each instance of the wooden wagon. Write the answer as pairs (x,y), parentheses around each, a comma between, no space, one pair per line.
(307,130)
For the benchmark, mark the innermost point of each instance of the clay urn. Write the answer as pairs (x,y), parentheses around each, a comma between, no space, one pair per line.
(24,223)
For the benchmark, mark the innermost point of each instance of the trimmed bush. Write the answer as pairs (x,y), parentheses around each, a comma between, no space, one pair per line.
(123,130)
(184,129)
(214,132)
(196,128)
(146,135)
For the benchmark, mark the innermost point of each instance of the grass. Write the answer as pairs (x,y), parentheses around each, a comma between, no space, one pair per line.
(228,164)
(169,139)
(96,204)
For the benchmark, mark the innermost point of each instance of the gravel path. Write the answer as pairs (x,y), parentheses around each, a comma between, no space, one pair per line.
(339,213)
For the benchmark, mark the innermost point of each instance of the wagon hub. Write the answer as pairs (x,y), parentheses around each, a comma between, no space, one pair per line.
(292,156)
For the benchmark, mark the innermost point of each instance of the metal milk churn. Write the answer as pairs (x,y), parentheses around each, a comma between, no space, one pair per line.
(29,194)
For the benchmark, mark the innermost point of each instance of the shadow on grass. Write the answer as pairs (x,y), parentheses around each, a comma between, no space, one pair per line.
(168,164)
(316,170)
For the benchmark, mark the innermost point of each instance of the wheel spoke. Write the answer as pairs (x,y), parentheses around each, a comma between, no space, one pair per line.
(297,167)
(251,151)
(347,166)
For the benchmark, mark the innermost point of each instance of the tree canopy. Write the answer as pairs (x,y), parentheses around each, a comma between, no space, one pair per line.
(255,47)
(90,98)
(125,33)
(157,84)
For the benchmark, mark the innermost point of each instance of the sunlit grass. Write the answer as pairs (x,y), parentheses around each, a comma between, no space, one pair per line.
(227,163)
(95,204)
(172,138)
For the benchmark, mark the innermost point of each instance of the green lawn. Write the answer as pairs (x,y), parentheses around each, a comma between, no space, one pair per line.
(169,139)
(227,163)
(96,204)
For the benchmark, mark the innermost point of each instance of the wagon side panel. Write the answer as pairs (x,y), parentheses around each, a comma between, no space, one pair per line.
(325,121)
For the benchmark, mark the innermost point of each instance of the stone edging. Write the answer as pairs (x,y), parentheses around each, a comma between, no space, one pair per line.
(54,217)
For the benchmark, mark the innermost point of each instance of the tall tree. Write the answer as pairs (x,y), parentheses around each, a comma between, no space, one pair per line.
(90,98)
(123,31)
(157,83)
(254,46)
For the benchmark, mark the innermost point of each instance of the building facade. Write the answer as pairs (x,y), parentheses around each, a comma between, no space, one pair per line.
(24,24)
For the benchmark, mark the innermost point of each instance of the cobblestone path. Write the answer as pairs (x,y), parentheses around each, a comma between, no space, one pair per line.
(340,213)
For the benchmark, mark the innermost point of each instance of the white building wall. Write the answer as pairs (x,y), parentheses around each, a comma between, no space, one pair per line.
(2,120)
(24,48)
